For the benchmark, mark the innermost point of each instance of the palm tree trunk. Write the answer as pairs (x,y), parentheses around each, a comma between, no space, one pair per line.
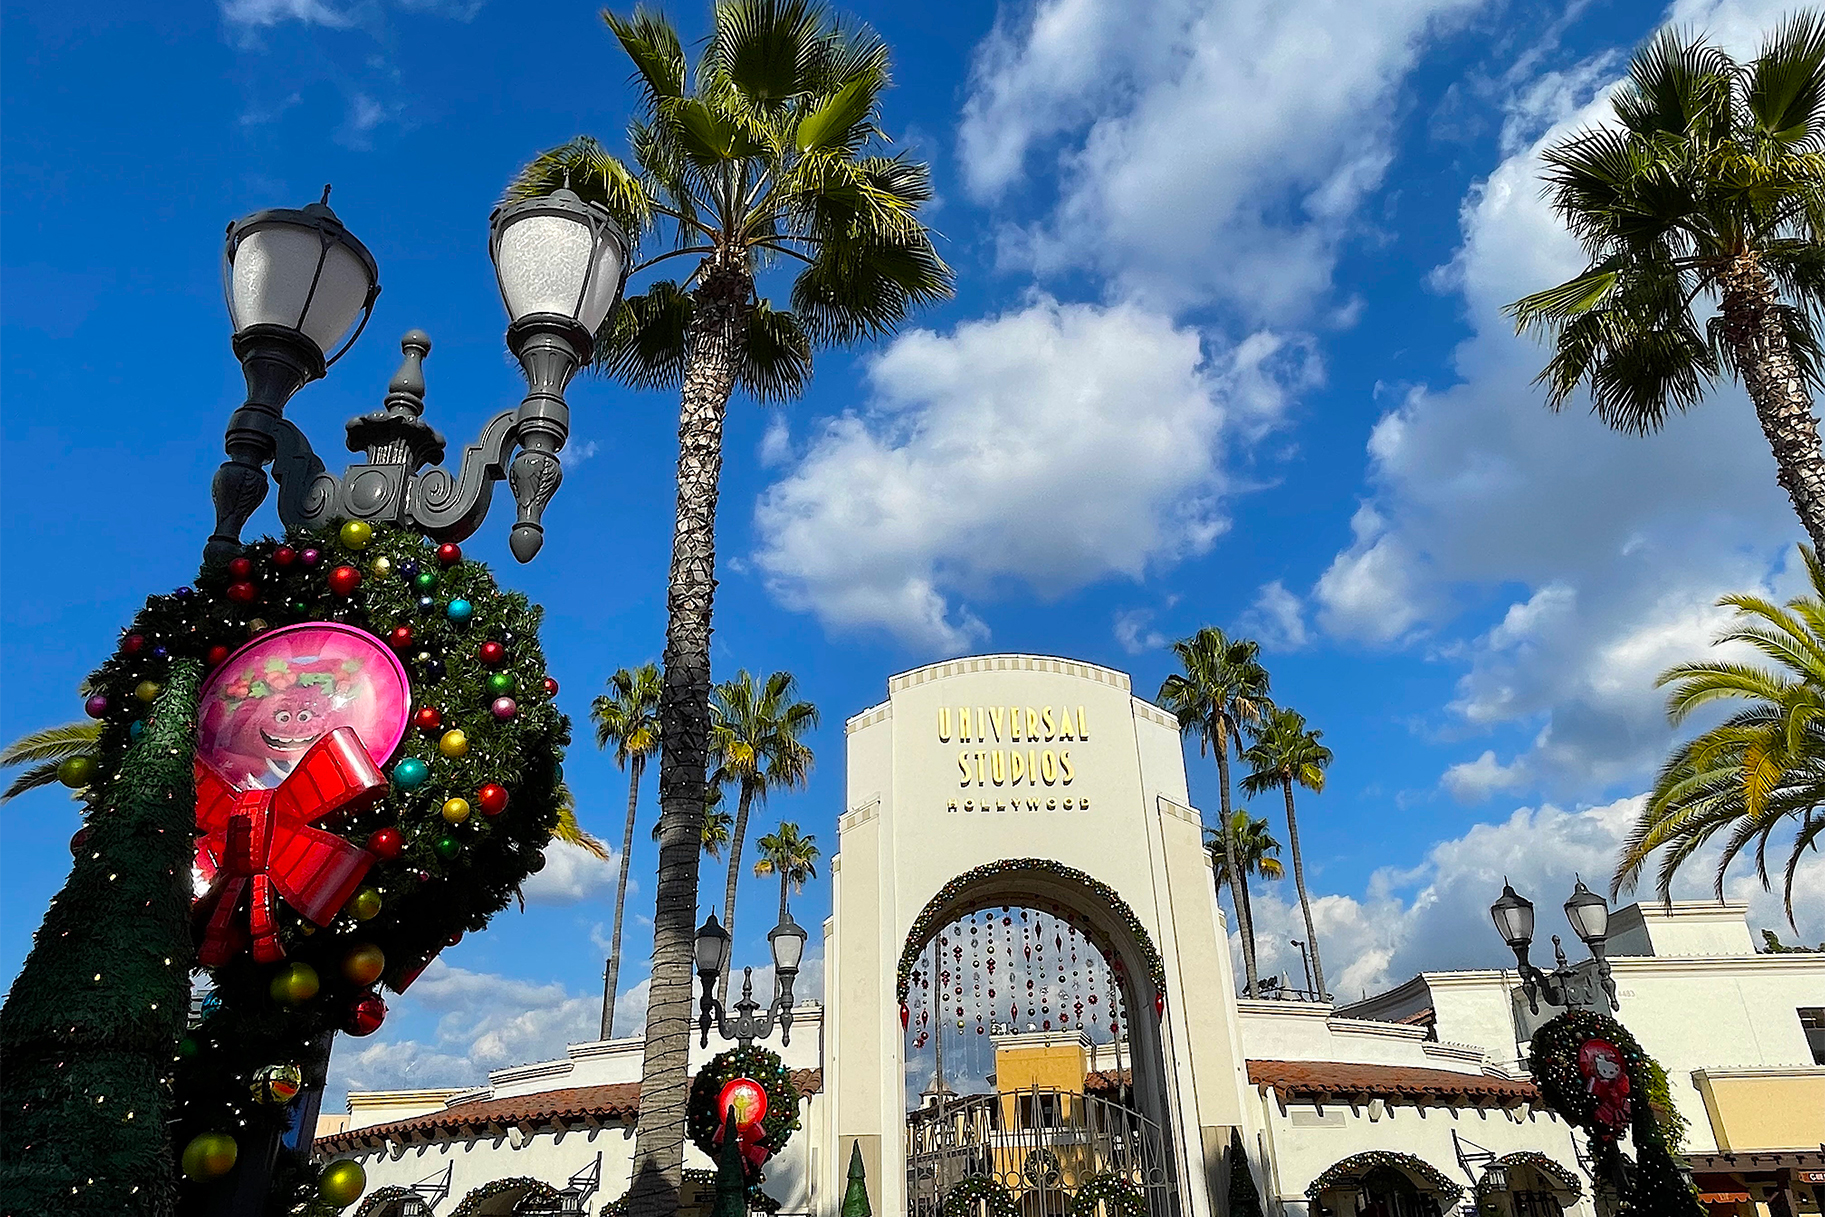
(782,898)
(1247,906)
(612,977)
(1243,924)
(1752,327)
(719,322)
(1305,902)
(737,837)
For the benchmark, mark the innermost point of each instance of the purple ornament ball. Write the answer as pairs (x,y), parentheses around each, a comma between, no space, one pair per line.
(96,706)
(504,708)
(310,557)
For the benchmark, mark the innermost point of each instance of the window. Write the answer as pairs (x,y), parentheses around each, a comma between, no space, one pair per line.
(1812,1022)
(1044,1116)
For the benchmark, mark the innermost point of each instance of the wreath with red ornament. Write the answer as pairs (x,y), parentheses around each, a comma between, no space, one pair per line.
(764,1122)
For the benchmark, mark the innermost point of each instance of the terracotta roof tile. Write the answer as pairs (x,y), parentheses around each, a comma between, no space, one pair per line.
(618,1101)
(1343,1081)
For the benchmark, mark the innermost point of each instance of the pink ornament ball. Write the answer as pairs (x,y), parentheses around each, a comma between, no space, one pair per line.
(310,557)
(504,708)
(96,706)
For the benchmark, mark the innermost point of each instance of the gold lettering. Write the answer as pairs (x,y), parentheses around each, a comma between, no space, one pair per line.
(1017,767)
(963,724)
(969,805)
(953,805)
(944,724)
(1032,723)
(1014,724)
(1048,767)
(1032,804)
(963,764)
(1083,804)
(1067,805)
(1064,765)
(1064,724)
(1051,804)
(997,721)
(1083,724)
(1032,767)
(998,767)
(979,770)
(1046,720)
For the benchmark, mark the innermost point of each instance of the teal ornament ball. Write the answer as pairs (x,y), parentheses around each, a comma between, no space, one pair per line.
(135,729)
(459,611)
(410,773)
(500,683)
(424,580)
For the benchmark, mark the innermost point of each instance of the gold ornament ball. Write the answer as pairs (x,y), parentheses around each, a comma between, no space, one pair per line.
(363,964)
(456,811)
(356,534)
(366,904)
(258,626)
(381,567)
(295,984)
(342,1182)
(454,744)
(210,1155)
(146,690)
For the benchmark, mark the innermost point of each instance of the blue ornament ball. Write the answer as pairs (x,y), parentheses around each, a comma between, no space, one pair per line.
(411,773)
(459,611)
(426,603)
(408,568)
(184,593)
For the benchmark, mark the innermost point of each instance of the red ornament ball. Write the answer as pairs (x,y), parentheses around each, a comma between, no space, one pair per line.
(284,556)
(551,687)
(386,843)
(365,1015)
(400,638)
(132,644)
(218,655)
(492,799)
(493,653)
(453,939)
(240,569)
(449,553)
(242,593)
(428,718)
(344,580)
(80,839)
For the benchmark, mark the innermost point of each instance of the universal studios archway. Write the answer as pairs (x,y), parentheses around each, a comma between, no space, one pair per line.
(1020,779)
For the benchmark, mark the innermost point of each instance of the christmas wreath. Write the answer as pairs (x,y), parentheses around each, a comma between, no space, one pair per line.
(1116,1192)
(973,1190)
(377,772)
(704,1118)
(378,1201)
(505,1196)
(1592,1072)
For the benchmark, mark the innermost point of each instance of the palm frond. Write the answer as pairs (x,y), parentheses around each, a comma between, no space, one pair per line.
(776,362)
(52,744)
(652,43)
(594,175)
(1785,90)
(44,773)
(642,342)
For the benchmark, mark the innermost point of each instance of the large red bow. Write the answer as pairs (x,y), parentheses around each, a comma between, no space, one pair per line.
(255,843)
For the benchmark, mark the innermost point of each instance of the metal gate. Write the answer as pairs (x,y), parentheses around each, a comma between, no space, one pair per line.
(1039,1144)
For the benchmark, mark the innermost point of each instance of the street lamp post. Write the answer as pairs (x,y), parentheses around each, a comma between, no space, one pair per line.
(1305,957)
(298,282)
(1565,986)
(787,940)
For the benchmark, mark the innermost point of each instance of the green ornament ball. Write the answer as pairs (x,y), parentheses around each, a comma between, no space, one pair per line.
(342,1182)
(356,534)
(448,847)
(210,1155)
(425,580)
(294,984)
(188,1047)
(366,904)
(500,682)
(76,772)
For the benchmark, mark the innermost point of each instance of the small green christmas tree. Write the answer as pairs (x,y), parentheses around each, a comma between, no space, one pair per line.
(90,1030)
(1244,1200)
(855,1196)
(731,1174)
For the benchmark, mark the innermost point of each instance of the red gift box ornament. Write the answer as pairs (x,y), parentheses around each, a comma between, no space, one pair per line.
(261,846)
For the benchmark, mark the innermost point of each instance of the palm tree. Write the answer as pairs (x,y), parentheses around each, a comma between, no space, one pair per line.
(1256,852)
(1222,690)
(714,835)
(791,856)
(1708,186)
(767,154)
(1285,753)
(755,736)
(1761,767)
(627,716)
(43,751)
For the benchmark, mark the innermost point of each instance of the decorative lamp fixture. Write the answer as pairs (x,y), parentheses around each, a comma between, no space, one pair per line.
(298,272)
(787,940)
(1496,1177)
(1588,914)
(1514,917)
(560,263)
(712,948)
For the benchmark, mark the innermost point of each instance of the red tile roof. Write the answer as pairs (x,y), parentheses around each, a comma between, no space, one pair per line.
(1347,1082)
(613,1103)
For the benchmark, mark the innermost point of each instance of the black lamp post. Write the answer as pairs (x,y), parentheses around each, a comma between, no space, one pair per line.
(298,282)
(787,941)
(1565,986)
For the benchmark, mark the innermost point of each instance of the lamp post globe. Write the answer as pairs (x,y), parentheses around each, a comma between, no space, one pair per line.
(1514,917)
(712,948)
(1589,915)
(560,263)
(787,942)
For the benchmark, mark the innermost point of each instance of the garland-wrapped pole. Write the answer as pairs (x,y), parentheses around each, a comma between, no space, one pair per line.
(91,1027)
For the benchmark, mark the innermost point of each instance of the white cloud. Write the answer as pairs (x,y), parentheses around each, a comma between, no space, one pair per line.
(1052,446)
(575,453)
(1189,171)
(1408,921)
(1277,618)
(273,12)
(571,874)
(1135,631)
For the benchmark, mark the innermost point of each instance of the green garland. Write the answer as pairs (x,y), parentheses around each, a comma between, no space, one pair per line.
(1115,1190)
(447,880)
(1660,1190)
(962,1199)
(528,1189)
(703,1122)
(377,1200)
(1565,1180)
(1356,1164)
(944,907)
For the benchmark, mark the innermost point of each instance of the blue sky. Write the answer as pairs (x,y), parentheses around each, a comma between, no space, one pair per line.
(1226,348)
